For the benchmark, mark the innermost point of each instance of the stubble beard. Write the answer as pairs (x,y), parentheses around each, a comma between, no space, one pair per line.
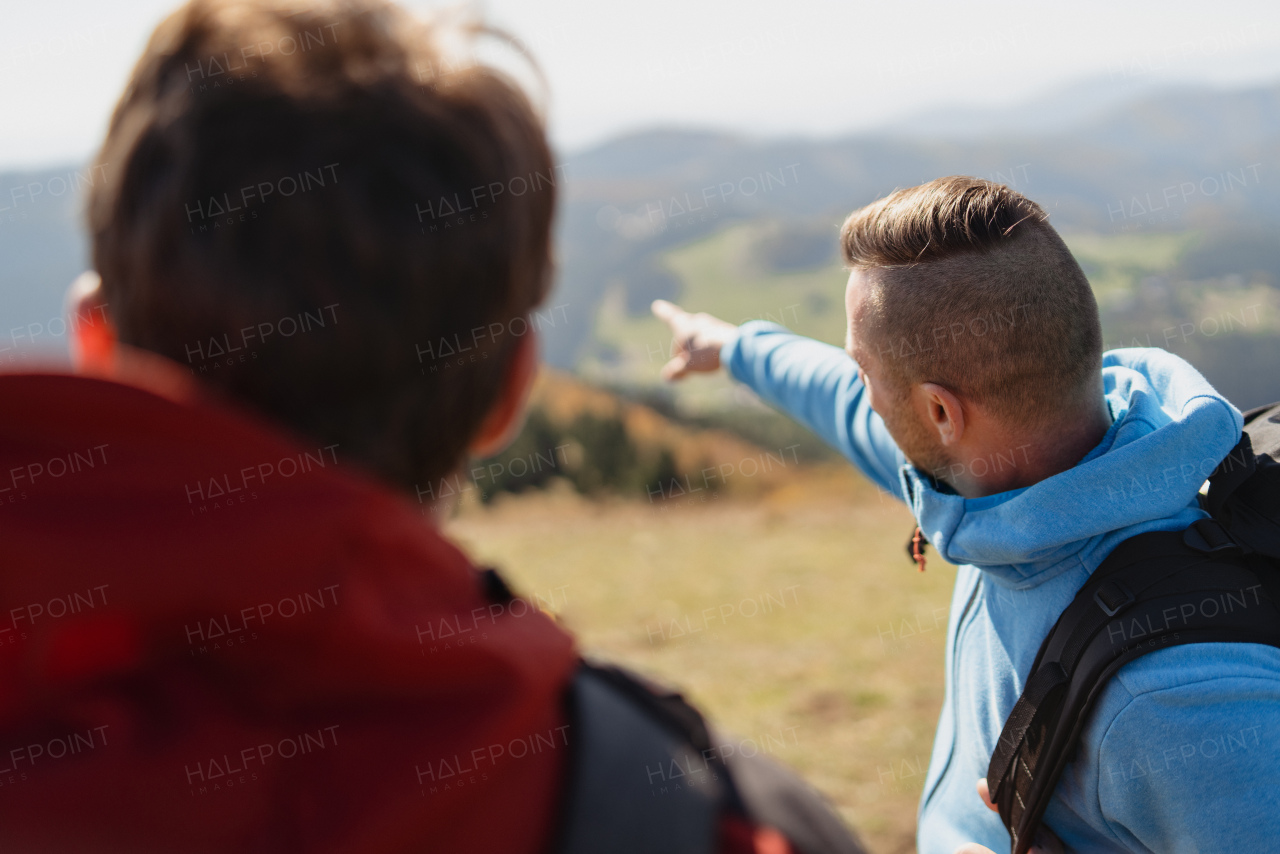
(917,442)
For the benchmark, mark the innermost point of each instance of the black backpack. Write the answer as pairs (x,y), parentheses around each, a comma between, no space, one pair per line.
(1218,580)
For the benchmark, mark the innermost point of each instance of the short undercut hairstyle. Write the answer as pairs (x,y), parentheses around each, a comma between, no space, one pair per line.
(971,288)
(314,207)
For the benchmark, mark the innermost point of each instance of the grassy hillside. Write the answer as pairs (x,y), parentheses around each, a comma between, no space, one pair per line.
(1169,290)
(598,444)
(794,620)
(720,274)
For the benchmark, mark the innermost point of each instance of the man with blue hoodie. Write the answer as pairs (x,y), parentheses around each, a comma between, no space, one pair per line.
(973,386)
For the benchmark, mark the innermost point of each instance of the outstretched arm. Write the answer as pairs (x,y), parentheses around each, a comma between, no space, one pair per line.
(815,383)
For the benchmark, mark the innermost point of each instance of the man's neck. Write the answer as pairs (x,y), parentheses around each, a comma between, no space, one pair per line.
(143,369)
(1015,459)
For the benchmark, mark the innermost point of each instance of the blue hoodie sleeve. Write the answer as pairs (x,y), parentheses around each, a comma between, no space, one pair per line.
(1193,768)
(818,385)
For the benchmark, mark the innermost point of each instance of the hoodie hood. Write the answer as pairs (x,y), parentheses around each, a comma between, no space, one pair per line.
(215,637)
(1170,430)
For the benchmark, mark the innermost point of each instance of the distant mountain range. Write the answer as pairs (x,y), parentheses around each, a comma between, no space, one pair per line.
(1165,160)
(1183,159)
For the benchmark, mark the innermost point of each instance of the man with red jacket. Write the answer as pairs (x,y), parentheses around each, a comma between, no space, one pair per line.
(224,624)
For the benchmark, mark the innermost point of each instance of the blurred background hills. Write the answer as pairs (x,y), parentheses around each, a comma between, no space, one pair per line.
(1167,196)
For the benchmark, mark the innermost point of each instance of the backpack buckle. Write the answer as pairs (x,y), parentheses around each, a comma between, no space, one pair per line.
(1207,536)
(1113,597)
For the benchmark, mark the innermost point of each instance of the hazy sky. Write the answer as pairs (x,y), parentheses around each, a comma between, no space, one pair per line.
(797,67)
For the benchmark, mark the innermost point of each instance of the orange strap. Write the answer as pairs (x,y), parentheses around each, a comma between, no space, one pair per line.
(917,549)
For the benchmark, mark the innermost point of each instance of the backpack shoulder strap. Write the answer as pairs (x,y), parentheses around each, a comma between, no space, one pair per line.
(1154,591)
(1244,489)
(621,739)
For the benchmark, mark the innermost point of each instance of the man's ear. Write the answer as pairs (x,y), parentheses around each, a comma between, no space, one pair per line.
(506,416)
(943,411)
(93,339)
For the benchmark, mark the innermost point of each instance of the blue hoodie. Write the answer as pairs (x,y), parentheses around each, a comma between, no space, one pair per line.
(1182,751)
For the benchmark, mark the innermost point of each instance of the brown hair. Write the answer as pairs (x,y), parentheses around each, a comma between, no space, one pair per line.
(971,288)
(327,169)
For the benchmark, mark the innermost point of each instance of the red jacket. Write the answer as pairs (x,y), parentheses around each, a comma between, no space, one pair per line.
(215,639)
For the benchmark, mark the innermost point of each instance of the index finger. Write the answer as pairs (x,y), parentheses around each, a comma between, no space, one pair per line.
(667,311)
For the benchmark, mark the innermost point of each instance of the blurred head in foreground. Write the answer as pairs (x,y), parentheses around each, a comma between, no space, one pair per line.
(962,298)
(324,215)
(248,643)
